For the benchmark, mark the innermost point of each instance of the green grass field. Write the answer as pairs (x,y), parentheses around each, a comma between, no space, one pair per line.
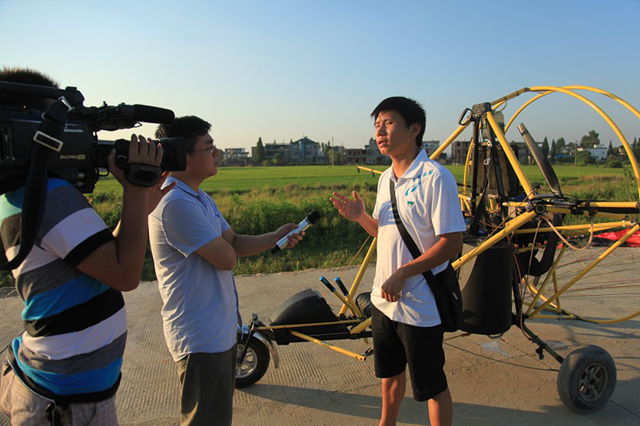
(242,179)
(260,199)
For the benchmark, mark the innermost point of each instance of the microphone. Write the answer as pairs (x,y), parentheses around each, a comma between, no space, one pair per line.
(311,218)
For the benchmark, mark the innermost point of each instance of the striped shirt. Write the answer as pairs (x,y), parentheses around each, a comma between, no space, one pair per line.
(75,326)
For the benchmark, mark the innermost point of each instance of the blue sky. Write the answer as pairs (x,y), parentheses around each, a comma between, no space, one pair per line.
(283,69)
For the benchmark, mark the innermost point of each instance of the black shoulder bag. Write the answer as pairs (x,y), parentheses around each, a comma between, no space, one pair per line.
(444,286)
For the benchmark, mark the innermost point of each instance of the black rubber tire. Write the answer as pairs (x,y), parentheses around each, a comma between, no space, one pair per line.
(586,379)
(363,300)
(255,364)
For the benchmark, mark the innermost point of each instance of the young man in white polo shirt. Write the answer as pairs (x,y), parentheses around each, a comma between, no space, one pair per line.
(405,321)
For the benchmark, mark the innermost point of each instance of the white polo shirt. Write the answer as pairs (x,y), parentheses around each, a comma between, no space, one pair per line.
(427,200)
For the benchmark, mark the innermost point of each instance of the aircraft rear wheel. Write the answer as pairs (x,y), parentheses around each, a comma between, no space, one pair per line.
(586,379)
(254,365)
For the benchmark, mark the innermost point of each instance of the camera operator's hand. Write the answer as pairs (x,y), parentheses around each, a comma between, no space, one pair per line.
(141,150)
(145,151)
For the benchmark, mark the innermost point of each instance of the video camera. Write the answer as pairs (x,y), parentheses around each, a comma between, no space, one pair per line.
(62,141)
(71,135)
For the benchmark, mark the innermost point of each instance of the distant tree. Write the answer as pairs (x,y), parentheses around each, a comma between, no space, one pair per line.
(545,148)
(259,152)
(553,152)
(334,157)
(635,143)
(560,144)
(276,160)
(583,158)
(590,140)
(610,150)
(326,147)
(571,147)
(614,163)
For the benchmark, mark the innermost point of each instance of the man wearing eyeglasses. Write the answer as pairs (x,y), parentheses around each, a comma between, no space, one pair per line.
(194,251)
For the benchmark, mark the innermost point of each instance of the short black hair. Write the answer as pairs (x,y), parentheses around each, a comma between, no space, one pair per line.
(25,76)
(410,110)
(189,127)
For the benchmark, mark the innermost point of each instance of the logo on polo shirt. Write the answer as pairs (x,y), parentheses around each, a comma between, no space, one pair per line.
(415,186)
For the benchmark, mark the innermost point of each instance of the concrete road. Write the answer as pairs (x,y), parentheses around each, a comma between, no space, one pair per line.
(494,381)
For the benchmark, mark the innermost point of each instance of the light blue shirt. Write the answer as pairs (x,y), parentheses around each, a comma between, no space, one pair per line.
(200,302)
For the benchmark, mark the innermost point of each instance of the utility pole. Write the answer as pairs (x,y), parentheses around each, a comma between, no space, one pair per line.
(333,154)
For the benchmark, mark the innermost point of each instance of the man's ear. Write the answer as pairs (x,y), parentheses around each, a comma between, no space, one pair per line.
(187,161)
(414,129)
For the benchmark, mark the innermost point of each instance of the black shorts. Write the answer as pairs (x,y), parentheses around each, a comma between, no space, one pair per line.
(395,344)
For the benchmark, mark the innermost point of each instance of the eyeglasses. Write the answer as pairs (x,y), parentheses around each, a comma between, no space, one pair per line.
(209,149)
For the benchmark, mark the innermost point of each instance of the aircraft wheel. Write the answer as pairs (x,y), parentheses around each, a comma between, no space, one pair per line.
(254,365)
(586,379)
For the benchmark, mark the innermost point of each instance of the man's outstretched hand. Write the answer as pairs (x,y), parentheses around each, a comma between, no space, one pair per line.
(349,208)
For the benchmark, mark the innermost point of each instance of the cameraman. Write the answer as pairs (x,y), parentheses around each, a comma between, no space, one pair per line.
(65,367)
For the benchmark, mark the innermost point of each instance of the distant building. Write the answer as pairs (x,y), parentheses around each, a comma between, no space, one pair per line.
(599,152)
(522,152)
(301,151)
(355,156)
(373,153)
(306,151)
(234,157)
(279,152)
(459,151)
(370,154)
(335,154)
(430,146)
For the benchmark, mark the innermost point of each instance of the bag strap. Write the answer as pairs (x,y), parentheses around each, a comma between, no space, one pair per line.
(406,237)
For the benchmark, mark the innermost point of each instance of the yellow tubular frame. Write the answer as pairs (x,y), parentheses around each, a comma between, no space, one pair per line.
(328,346)
(510,226)
(538,293)
(528,189)
(568,91)
(467,160)
(356,281)
(585,227)
(589,267)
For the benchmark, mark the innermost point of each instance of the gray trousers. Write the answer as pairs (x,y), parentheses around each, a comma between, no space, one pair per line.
(24,407)
(206,388)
